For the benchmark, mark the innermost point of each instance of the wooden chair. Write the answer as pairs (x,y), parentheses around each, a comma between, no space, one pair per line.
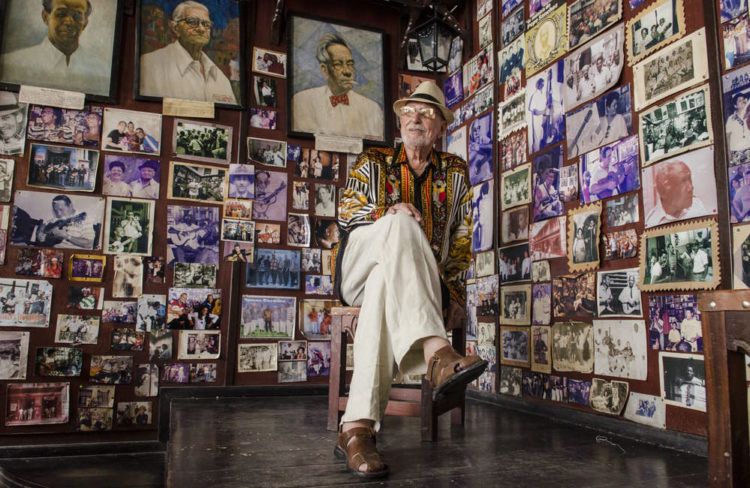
(404,400)
(726,341)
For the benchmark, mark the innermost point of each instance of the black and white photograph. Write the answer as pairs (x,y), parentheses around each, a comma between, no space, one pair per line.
(514,263)
(37,403)
(457,143)
(327,235)
(682,188)
(274,269)
(311,260)
(540,271)
(129,227)
(128,276)
(646,409)
(319,165)
(13,128)
(608,396)
(679,125)
(14,355)
(62,168)
(202,141)
(241,181)
(741,256)
(485,264)
(480,149)
(292,371)
(680,257)
(152,313)
(621,348)
(270,195)
(569,183)
(59,361)
(515,225)
(192,234)
(299,232)
(606,120)
(131,176)
(623,211)
(541,310)
(194,275)
(611,170)
(68,126)
(455,54)
(129,131)
(541,349)
(267,62)
(264,90)
(482,204)
(513,150)
(683,380)
(7,170)
(511,59)
(267,151)
(670,70)
(573,347)
(57,220)
(325,200)
(300,195)
(515,305)
(589,17)
(194,308)
(484,27)
(584,224)
(594,68)
(196,182)
(514,346)
(77,329)
(736,94)
(512,113)
(234,251)
(204,344)
(546,197)
(621,244)
(510,381)
(238,230)
(256,358)
(126,339)
(512,26)
(545,115)
(487,295)
(516,186)
(660,23)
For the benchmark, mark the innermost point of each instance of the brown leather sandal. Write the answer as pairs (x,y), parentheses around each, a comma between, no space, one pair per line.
(357,447)
(449,371)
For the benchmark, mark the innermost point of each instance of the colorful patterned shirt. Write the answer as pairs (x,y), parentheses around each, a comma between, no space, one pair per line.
(382,178)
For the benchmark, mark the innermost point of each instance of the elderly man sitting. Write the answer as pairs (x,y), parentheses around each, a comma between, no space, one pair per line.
(403,258)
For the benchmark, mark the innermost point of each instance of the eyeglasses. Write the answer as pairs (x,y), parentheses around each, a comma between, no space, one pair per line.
(62,12)
(339,65)
(426,112)
(194,22)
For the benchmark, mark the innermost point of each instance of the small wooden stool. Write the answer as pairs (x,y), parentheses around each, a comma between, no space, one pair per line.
(404,400)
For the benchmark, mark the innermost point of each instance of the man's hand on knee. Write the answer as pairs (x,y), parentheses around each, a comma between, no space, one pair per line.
(455,316)
(406,208)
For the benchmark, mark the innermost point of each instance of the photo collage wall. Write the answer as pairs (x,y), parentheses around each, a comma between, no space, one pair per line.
(606,220)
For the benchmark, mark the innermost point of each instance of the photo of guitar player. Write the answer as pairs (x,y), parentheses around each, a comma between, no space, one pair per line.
(618,294)
(59,221)
(192,234)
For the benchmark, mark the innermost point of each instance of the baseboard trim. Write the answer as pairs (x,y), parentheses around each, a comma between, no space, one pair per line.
(81,449)
(678,441)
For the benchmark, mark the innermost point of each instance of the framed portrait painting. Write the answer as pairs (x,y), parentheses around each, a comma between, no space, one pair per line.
(173,34)
(33,49)
(336,80)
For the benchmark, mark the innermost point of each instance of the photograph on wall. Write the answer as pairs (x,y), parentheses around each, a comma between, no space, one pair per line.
(540,271)
(683,380)
(126,339)
(325,200)
(130,414)
(202,141)
(13,132)
(542,304)
(334,60)
(408,83)
(515,225)
(238,230)
(196,182)
(292,371)
(679,125)
(34,50)
(268,62)
(25,303)
(546,38)
(265,91)
(131,176)
(453,89)
(455,53)
(731,9)
(292,350)
(680,257)
(194,308)
(587,18)
(192,234)
(86,267)
(175,373)
(485,264)
(511,59)
(77,329)
(545,119)
(190,51)
(457,143)
(199,344)
(659,24)
(741,256)
(241,181)
(37,404)
(315,318)
(482,204)
(681,188)
(94,419)
(267,317)
(736,94)
(596,67)
(609,396)
(203,373)
(129,131)
(515,305)
(111,370)
(618,294)
(735,34)
(623,211)
(274,269)
(541,344)
(480,149)
(119,312)
(56,220)
(59,361)
(512,26)
(674,68)
(621,244)
(7,170)
(94,396)
(510,381)
(128,278)
(194,275)
(584,224)
(318,359)
(478,71)
(62,168)
(311,260)
(238,209)
(160,346)
(547,239)
(487,294)
(267,151)
(152,313)
(484,27)
(270,195)
(610,170)
(266,233)
(256,358)
(512,113)
(514,263)
(318,165)
(516,186)
(14,355)
(573,347)
(513,150)
(68,126)
(574,296)
(601,122)
(514,346)
(646,409)
(298,230)
(485,6)
(546,196)
(238,251)
(621,350)
(675,323)
(129,227)
(40,263)
(263,118)
(300,195)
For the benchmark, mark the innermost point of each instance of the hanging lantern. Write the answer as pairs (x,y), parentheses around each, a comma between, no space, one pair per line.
(434,38)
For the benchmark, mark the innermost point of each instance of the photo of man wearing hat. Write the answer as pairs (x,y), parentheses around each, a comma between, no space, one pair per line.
(241,181)
(404,230)
(12,124)
(146,186)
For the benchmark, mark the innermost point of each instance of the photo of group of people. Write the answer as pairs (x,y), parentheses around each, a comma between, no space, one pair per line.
(201,141)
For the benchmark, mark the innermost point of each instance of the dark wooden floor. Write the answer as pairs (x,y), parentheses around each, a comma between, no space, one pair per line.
(282,442)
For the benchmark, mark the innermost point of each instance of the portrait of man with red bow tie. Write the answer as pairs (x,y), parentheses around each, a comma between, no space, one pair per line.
(335,108)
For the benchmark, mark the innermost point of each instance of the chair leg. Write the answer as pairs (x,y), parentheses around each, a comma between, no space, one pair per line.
(429,415)
(458,414)
(338,373)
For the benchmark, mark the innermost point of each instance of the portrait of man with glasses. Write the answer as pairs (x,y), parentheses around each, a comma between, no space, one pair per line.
(183,69)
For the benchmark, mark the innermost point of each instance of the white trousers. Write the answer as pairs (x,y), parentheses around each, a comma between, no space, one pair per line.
(388,269)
